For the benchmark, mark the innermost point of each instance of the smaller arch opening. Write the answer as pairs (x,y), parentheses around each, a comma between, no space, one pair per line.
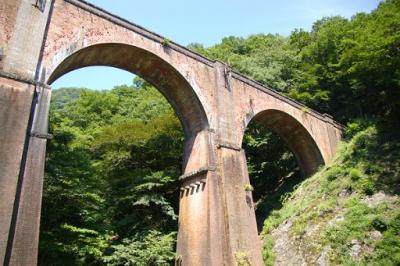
(295,136)
(280,154)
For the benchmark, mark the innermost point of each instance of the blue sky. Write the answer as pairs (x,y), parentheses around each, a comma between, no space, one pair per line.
(207,22)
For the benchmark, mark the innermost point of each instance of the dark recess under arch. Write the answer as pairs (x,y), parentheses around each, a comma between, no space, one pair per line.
(296,137)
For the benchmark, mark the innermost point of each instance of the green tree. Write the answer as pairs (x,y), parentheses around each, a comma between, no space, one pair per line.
(111,175)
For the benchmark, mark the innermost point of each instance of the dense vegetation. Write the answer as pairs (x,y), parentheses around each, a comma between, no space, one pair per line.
(111,178)
(346,214)
(110,194)
(347,68)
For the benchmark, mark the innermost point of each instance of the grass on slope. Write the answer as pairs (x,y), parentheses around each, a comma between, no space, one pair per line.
(349,212)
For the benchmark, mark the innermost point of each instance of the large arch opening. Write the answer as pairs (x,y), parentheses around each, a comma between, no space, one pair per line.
(132,197)
(280,154)
(151,68)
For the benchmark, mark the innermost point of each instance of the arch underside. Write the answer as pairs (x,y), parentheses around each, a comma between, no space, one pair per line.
(296,137)
(150,67)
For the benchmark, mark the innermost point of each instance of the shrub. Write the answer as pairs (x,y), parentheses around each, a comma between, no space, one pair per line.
(248,188)
(355,174)
(367,187)
(268,251)
(153,249)
(379,224)
(355,126)
(165,42)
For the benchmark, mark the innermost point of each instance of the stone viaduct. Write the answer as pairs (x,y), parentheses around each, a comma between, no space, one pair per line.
(43,39)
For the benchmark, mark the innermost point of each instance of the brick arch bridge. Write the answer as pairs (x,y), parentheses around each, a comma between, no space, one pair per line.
(44,39)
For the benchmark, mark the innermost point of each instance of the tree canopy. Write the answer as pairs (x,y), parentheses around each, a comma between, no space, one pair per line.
(111,177)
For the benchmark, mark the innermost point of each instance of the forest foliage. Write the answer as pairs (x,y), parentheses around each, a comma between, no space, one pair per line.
(345,67)
(111,178)
(111,182)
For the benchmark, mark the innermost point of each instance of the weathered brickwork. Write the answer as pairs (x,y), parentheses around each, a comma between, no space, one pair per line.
(214,104)
(15,102)
(8,11)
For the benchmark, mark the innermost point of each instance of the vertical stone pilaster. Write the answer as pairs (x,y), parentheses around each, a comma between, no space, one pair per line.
(333,134)
(22,51)
(238,216)
(15,106)
(226,129)
(201,233)
(21,172)
(240,220)
(24,249)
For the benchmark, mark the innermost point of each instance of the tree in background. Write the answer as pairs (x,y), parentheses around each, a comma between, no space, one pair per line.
(348,68)
(111,178)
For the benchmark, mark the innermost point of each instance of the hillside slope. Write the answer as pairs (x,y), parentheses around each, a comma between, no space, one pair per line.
(346,214)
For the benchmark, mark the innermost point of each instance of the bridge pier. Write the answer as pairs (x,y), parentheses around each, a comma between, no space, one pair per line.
(217,224)
(240,221)
(24,103)
(16,98)
(21,191)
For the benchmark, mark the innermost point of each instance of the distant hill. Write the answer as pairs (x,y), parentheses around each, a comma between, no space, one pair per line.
(63,96)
